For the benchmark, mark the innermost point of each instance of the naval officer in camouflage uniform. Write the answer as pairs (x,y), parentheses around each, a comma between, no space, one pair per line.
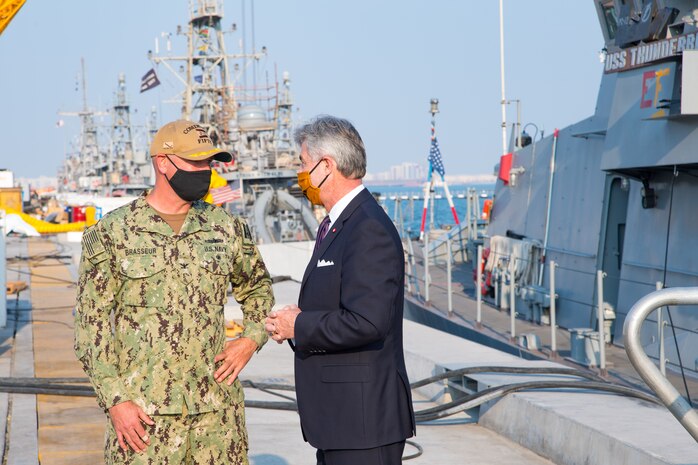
(149,325)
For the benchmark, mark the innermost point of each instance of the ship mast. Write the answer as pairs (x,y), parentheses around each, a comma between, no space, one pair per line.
(209,94)
(253,122)
(501,68)
(152,124)
(84,170)
(121,160)
(92,161)
(285,115)
(210,97)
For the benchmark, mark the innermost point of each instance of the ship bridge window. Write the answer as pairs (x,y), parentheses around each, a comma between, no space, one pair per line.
(610,17)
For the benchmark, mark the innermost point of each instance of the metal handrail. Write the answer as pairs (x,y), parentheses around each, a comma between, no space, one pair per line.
(677,405)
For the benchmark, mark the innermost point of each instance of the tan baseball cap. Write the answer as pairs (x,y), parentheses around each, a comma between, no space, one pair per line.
(187,140)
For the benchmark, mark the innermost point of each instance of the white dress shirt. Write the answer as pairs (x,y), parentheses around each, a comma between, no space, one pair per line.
(339,207)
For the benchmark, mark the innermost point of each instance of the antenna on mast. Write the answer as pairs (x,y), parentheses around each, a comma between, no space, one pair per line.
(501,68)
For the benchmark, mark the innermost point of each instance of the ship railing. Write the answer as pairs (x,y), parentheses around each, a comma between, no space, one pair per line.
(515,273)
(587,346)
(420,284)
(518,275)
(457,236)
(510,283)
(667,393)
(469,231)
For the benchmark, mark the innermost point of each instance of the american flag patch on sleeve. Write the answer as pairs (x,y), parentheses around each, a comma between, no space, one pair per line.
(91,244)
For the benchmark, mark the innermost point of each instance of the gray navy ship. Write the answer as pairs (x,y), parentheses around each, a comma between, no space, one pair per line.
(616,191)
(608,200)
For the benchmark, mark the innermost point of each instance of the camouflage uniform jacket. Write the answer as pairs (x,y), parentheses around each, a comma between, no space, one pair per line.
(149,317)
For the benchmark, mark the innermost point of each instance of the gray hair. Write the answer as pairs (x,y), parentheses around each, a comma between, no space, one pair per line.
(337,138)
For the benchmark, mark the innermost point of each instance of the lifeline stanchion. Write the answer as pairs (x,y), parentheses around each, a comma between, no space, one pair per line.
(412,266)
(448,277)
(426,267)
(512,297)
(602,337)
(553,322)
(660,330)
(478,291)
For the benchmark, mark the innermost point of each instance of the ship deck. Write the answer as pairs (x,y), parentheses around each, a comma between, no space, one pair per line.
(496,324)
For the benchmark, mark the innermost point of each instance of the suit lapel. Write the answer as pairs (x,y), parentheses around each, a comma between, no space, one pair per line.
(334,231)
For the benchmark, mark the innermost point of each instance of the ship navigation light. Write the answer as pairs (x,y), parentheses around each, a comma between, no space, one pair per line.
(434,106)
(602,54)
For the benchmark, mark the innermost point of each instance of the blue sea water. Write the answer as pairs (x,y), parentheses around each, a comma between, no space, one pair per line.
(412,209)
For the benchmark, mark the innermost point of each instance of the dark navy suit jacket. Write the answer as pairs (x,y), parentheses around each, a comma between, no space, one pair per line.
(351,382)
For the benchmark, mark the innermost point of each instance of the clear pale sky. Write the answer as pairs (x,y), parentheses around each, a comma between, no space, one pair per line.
(376,63)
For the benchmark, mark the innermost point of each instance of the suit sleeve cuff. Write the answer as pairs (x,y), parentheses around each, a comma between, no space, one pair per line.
(305,324)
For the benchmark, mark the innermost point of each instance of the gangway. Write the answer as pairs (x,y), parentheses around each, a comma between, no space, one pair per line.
(677,405)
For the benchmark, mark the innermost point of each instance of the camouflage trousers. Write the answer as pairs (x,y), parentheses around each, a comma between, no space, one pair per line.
(216,437)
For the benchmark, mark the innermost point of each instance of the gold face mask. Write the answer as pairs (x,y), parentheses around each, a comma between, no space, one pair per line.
(311,192)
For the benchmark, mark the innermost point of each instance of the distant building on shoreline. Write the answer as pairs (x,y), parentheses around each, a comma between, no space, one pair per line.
(413,173)
(403,172)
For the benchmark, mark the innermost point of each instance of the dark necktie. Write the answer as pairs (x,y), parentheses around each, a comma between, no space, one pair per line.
(322,231)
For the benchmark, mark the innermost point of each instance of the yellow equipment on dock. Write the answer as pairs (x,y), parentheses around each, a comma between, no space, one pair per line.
(8,10)
(44,227)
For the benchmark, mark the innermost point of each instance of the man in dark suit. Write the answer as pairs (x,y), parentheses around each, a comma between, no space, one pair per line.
(351,383)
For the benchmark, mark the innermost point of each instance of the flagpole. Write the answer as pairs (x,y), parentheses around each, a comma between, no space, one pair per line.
(427,190)
(450,200)
(434,111)
(430,180)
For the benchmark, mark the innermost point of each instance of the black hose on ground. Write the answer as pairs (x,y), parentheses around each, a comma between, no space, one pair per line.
(504,369)
(474,400)
(417,384)
(64,390)
(77,387)
(16,381)
(419,452)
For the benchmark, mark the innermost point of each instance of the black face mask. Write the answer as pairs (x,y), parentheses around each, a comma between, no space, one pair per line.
(190,185)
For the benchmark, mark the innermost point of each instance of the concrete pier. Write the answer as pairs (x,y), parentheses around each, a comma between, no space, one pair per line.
(59,430)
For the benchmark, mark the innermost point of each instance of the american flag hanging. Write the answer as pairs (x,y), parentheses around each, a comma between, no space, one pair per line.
(227,193)
(435,157)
